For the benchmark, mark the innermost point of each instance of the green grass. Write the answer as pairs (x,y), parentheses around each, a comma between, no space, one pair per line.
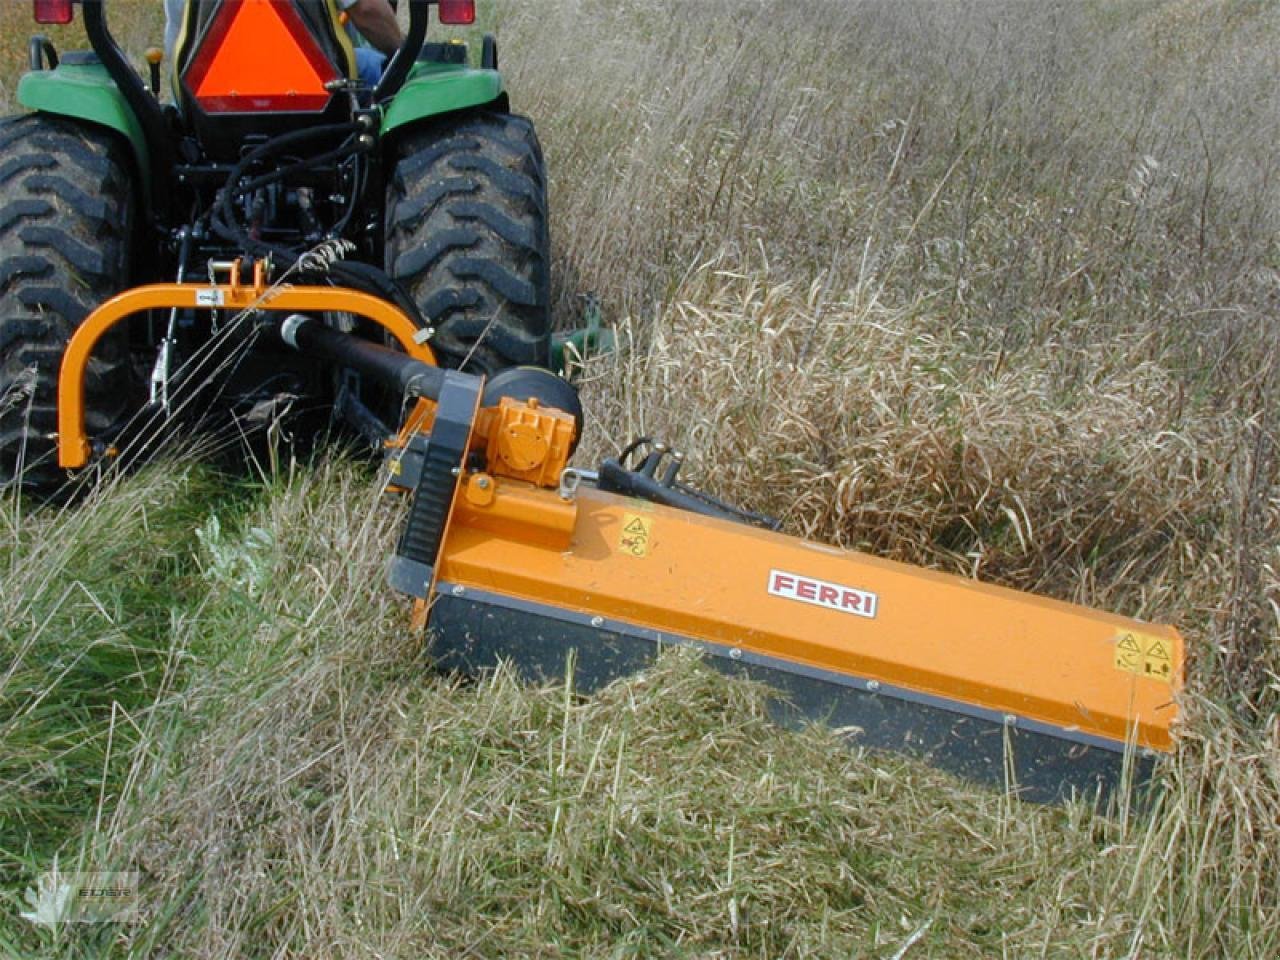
(897,272)
(86,635)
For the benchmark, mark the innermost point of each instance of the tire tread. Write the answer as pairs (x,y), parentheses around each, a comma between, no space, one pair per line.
(467,236)
(66,214)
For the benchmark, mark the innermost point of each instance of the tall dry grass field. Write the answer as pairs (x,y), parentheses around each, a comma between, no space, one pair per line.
(991,287)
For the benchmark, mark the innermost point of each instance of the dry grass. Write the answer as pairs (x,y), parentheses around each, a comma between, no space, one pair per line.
(979,287)
(304,795)
(987,287)
(137,24)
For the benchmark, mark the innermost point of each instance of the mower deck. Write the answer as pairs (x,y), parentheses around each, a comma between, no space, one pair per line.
(983,681)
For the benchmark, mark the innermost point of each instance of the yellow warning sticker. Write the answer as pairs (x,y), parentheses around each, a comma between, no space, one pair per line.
(637,531)
(1144,655)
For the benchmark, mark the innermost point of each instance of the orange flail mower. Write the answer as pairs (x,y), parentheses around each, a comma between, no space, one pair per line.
(512,554)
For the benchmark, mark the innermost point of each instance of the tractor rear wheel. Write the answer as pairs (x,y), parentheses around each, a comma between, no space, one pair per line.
(66,230)
(467,237)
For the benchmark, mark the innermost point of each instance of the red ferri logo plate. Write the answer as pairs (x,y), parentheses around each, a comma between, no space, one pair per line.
(822,593)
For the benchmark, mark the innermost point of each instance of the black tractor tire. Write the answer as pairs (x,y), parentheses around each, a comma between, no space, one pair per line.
(66,234)
(467,238)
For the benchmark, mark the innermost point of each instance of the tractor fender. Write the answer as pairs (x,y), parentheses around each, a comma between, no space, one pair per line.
(434,90)
(85,91)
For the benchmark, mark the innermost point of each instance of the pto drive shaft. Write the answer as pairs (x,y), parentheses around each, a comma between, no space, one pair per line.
(440,453)
(403,373)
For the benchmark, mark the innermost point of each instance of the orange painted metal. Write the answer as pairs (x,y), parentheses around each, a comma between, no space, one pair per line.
(992,648)
(526,441)
(517,510)
(520,439)
(73,445)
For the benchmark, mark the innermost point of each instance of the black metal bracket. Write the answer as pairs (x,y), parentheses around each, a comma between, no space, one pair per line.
(41,49)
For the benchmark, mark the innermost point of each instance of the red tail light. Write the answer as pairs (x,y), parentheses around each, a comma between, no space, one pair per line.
(258,55)
(458,12)
(53,11)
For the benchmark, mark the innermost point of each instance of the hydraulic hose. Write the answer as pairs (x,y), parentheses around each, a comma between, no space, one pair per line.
(225,223)
(224,220)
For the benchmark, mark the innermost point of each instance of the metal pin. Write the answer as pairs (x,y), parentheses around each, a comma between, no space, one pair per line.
(570,480)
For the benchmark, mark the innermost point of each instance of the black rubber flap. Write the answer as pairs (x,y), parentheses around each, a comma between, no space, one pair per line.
(472,631)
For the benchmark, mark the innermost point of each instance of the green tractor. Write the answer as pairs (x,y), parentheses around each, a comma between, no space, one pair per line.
(423,190)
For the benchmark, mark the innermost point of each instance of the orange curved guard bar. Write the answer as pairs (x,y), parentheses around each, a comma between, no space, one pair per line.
(73,445)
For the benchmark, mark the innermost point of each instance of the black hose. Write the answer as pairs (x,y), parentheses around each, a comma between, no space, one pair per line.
(223,216)
(225,223)
(369,279)
(349,146)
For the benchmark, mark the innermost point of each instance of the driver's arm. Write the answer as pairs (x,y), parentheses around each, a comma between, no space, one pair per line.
(377,22)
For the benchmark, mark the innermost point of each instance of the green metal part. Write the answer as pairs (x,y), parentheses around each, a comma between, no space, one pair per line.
(85,91)
(572,348)
(438,88)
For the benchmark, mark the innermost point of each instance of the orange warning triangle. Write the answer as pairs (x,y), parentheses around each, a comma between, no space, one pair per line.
(259,55)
